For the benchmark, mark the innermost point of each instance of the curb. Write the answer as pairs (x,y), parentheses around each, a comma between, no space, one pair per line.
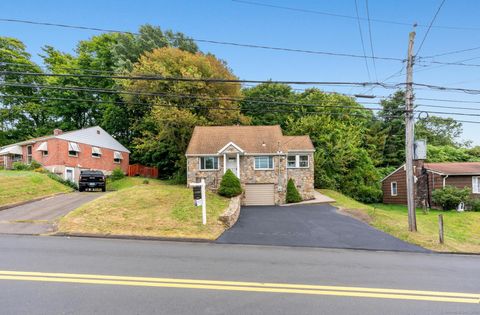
(13,205)
(134,237)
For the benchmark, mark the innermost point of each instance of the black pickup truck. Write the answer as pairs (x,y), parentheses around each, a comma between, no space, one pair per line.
(92,180)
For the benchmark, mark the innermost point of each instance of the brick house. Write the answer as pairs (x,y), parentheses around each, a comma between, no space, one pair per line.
(260,156)
(66,153)
(428,177)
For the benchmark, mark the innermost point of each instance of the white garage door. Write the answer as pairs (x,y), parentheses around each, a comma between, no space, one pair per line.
(259,195)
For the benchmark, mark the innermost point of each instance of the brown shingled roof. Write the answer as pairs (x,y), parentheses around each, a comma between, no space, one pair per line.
(251,139)
(453,168)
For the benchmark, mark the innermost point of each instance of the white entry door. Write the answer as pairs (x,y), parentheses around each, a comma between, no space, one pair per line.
(69,174)
(232,164)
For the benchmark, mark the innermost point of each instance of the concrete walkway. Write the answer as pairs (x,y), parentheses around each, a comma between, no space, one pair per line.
(39,217)
(319,199)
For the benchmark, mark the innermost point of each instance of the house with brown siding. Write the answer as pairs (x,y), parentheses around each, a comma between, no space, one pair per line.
(431,176)
(66,153)
(260,156)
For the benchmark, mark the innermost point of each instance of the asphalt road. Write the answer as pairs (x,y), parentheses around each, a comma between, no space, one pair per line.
(309,225)
(79,294)
(38,217)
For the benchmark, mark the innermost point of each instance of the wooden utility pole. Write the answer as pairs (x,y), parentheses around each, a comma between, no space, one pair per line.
(409,137)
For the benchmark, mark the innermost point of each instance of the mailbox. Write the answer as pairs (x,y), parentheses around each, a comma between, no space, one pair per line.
(197,192)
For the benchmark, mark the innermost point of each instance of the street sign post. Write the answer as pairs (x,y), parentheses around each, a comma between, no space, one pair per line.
(200,198)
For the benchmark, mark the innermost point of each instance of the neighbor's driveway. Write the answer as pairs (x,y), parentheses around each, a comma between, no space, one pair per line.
(38,217)
(309,225)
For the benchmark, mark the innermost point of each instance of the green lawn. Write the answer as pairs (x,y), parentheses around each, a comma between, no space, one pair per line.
(20,186)
(462,230)
(154,209)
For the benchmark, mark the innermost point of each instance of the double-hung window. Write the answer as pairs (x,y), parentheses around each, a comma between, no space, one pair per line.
(208,163)
(264,162)
(297,161)
(476,184)
(393,189)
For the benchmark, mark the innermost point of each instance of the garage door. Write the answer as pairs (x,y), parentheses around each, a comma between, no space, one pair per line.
(259,195)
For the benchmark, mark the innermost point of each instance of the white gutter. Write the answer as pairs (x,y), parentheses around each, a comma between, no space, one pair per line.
(444,180)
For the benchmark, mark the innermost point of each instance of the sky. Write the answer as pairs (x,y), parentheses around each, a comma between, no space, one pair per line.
(456,27)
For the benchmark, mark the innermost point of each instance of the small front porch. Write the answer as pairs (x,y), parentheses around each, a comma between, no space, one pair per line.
(10,155)
(231,158)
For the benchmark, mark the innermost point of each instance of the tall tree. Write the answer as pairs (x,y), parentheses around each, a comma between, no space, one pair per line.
(155,119)
(439,131)
(257,103)
(130,47)
(22,115)
(392,117)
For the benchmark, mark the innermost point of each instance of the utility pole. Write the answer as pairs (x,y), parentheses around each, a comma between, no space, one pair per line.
(409,137)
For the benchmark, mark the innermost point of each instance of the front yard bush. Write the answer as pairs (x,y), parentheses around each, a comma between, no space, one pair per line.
(117,174)
(450,197)
(292,193)
(473,204)
(61,180)
(230,185)
(20,166)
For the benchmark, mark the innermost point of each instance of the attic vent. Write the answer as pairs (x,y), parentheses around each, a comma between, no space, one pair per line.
(98,132)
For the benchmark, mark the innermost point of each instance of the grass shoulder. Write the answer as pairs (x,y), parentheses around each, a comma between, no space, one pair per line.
(158,208)
(462,229)
(23,186)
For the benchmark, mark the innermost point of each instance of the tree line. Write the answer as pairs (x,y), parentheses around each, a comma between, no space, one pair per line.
(155,118)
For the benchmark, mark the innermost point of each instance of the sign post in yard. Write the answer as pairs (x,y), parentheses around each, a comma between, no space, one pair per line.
(200,198)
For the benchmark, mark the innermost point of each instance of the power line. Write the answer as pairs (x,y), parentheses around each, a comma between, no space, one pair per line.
(263,102)
(452,52)
(351,17)
(183,79)
(193,106)
(361,39)
(187,96)
(371,40)
(216,42)
(430,26)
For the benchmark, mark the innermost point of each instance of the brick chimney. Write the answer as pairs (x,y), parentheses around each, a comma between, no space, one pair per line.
(57,132)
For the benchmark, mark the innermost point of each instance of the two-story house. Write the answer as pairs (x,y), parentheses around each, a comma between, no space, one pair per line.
(66,153)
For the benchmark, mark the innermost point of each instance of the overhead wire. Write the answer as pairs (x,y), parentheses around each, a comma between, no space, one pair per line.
(361,40)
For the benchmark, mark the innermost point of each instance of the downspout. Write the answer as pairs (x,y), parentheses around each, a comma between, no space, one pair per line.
(444,180)
(429,199)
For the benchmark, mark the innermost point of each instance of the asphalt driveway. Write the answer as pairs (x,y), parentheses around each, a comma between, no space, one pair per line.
(39,217)
(309,225)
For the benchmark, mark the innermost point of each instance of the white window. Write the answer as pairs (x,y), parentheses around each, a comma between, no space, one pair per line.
(43,147)
(209,163)
(117,157)
(264,162)
(73,149)
(393,188)
(476,184)
(96,152)
(297,161)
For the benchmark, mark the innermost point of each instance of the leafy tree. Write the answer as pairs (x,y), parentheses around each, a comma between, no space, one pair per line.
(449,153)
(292,193)
(21,115)
(257,103)
(341,161)
(392,117)
(439,131)
(230,185)
(165,122)
(130,47)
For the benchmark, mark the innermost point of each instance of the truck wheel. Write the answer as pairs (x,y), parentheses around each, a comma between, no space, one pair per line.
(104,189)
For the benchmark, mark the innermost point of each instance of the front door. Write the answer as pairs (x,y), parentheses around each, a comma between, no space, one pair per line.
(232,164)
(69,174)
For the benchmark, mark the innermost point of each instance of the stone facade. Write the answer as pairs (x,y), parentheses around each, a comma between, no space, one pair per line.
(278,176)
